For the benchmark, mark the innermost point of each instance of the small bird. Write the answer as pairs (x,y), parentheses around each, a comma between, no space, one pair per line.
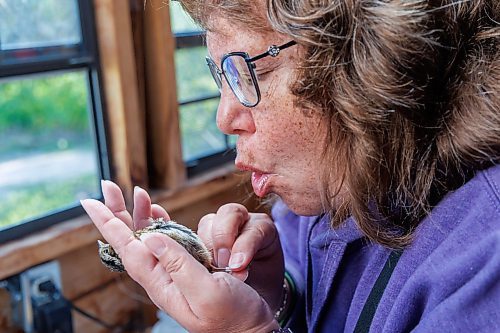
(181,234)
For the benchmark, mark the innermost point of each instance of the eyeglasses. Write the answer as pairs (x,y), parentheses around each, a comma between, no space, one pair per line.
(239,70)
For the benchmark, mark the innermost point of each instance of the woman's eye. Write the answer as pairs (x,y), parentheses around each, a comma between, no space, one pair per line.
(263,75)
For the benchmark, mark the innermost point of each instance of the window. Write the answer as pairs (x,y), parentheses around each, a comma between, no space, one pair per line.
(203,144)
(52,145)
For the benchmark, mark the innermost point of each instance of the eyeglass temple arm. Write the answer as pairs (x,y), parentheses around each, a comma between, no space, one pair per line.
(274,48)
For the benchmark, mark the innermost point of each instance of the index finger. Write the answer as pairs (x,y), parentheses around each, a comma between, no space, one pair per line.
(140,264)
(113,198)
(182,267)
(112,228)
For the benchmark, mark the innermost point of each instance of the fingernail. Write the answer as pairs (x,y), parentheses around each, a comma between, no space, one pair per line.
(153,243)
(136,189)
(236,260)
(223,257)
(245,276)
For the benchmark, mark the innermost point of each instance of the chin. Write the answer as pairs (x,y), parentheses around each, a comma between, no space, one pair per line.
(302,206)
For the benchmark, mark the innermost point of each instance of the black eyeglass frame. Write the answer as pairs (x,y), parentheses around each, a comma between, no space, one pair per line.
(217,73)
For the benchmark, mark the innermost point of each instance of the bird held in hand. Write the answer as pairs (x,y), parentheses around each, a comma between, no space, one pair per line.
(181,234)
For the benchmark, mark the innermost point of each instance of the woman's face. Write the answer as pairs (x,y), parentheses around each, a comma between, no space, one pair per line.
(277,141)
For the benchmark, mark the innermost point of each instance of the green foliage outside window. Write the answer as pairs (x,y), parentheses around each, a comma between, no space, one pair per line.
(192,74)
(44,123)
(37,113)
(44,104)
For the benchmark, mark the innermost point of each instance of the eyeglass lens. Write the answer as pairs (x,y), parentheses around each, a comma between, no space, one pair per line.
(240,79)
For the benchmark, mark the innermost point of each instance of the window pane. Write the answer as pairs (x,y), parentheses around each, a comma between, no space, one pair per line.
(192,74)
(180,21)
(38,23)
(48,159)
(232,140)
(200,135)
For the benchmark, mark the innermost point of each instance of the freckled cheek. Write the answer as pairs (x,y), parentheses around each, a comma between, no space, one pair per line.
(281,127)
(286,140)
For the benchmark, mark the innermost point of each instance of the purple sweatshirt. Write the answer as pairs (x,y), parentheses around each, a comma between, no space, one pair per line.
(448,280)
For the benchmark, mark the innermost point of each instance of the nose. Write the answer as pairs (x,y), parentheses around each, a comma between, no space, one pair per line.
(232,116)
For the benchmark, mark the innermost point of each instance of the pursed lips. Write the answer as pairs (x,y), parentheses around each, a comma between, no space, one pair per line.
(260,179)
(246,167)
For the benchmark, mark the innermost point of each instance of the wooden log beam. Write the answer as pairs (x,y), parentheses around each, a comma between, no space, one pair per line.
(125,118)
(167,169)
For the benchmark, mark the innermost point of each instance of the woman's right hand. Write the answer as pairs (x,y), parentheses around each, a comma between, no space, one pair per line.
(249,244)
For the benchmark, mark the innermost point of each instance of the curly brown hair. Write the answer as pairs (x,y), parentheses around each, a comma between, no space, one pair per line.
(410,90)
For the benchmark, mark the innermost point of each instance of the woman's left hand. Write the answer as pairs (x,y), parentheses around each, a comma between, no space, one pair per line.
(175,281)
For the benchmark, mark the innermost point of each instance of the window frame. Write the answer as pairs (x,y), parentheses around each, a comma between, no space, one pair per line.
(196,166)
(87,60)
